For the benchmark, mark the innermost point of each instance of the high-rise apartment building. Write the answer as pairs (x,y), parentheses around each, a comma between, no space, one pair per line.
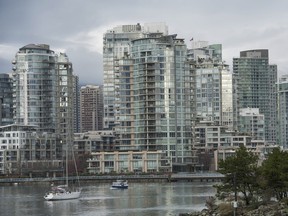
(116,46)
(161,97)
(283,111)
(43,90)
(6,99)
(43,104)
(147,88)
(255,87)
(91,108)
(35,87)
(213,84)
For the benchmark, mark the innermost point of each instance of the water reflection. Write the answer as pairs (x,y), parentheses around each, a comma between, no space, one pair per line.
(65,207)
(143,199)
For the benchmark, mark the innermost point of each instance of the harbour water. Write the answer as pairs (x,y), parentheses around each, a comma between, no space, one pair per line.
(141,199)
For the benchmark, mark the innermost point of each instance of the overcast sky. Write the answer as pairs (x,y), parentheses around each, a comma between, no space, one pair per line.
(77,27)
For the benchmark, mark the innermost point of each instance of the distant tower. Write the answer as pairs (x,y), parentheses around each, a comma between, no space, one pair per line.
(283,111)
(35,86)
(6,99)
(255,87)
(91,108)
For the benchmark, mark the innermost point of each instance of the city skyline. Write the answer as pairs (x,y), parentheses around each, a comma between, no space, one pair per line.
(77,28)
(152,90)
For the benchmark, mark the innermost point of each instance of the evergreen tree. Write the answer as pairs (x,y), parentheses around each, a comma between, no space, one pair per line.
(274,172)
(240,173)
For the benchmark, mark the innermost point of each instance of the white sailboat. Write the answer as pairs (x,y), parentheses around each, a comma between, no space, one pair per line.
(63,192)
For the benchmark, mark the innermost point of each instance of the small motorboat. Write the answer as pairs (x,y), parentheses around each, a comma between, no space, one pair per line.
(120,184)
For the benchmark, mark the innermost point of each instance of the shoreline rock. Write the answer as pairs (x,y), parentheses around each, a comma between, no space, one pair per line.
(270,209)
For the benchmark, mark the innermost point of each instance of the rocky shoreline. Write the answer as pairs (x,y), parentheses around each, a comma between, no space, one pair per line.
(226,209)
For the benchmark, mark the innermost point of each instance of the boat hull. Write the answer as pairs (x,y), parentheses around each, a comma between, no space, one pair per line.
(62,196)
(119,187)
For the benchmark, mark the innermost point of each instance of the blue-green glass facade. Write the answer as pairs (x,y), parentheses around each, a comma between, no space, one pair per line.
(34,87)
(161,96)
(255,87)
(283,111)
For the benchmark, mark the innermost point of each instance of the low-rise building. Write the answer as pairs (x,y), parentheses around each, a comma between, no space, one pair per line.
(25,150)
(216,142)
(92,141)
(211,136)
(128,162)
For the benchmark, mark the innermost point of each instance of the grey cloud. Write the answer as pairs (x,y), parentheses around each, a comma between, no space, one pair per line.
(66,24)
(87,65)
(5,66)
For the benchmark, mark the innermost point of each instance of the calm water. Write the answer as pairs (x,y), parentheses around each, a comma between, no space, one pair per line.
(141,199)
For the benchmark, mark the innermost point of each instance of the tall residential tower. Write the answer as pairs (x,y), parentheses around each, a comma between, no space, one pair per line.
(283,111)
(255,87)
(35,87)
(147,88)
(213,84)
(43,90)
(116,46)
